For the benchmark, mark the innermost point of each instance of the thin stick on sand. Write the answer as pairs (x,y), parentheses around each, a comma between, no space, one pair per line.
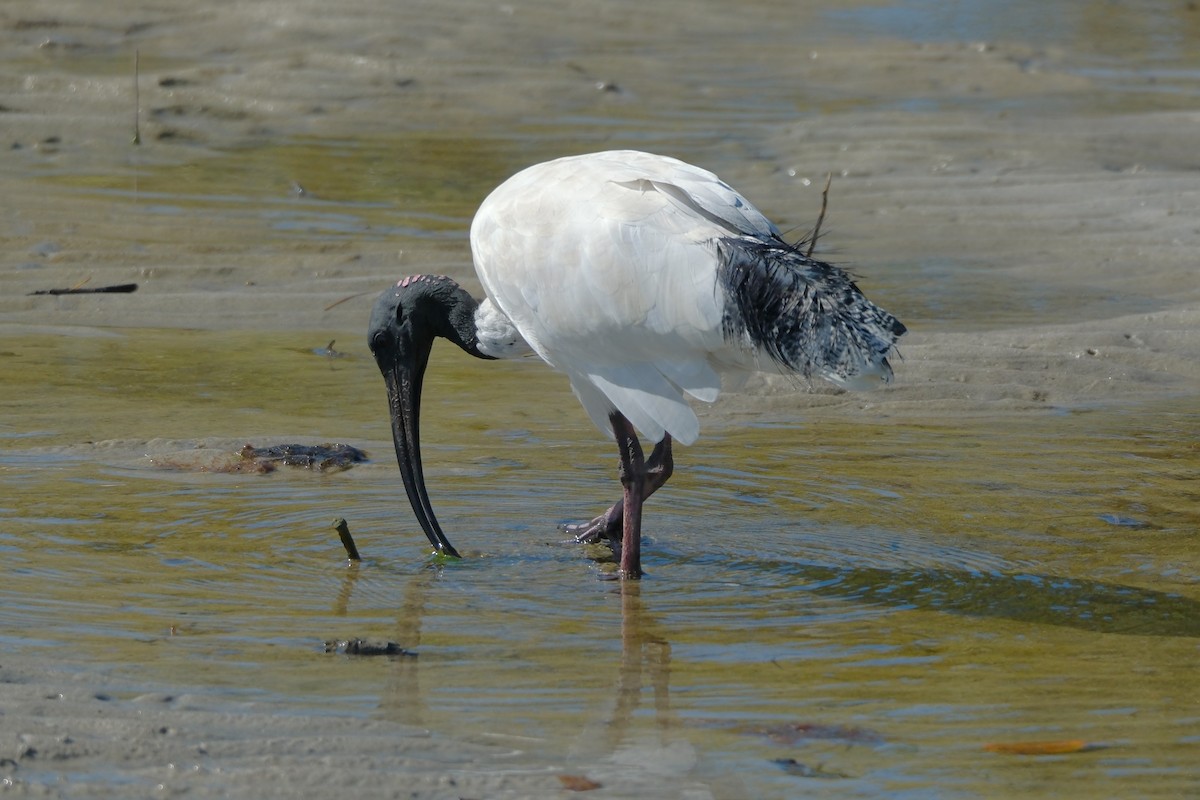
(137,103)
(344,299)
(120,288)
(812,242)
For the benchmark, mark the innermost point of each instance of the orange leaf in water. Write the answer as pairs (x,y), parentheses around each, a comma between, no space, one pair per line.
(1039,748)
(578,783)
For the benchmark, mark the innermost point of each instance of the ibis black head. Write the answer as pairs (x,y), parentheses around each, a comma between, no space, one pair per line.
(404,322)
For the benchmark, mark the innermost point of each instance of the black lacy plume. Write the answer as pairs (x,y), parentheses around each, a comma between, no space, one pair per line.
(809,316)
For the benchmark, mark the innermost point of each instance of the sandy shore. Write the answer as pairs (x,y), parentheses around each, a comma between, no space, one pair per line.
(171,743)
(1058,198)
(1082,220)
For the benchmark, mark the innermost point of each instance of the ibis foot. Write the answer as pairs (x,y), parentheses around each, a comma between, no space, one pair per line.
(605,528)
(608,528)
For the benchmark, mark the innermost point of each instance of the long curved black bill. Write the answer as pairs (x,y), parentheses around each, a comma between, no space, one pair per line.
(404,403)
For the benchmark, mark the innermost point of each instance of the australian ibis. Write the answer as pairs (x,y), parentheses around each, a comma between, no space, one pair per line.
(646,281)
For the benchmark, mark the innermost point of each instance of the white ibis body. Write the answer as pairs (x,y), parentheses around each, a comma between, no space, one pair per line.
(646,280)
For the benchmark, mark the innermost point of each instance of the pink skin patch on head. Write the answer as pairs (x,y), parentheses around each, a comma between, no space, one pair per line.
(404,283)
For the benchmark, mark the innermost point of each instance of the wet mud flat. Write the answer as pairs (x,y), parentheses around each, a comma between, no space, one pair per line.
(866,594)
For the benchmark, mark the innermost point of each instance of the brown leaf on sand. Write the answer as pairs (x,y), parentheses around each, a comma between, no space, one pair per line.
(1040,748)
(578,783)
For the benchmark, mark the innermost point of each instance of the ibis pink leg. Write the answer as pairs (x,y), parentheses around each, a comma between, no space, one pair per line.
(608,526)
(633,481)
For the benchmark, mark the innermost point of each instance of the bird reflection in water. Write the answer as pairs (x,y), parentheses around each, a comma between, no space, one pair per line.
(645,658)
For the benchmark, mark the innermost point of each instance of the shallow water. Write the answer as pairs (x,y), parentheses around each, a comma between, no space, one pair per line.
(871,590)
(876,599)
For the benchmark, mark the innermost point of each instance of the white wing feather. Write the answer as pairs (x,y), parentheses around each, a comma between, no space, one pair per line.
(606,265)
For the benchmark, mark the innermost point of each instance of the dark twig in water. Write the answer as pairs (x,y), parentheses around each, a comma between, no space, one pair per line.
(120,288)
(328,350)
(812,242)
(343,530)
